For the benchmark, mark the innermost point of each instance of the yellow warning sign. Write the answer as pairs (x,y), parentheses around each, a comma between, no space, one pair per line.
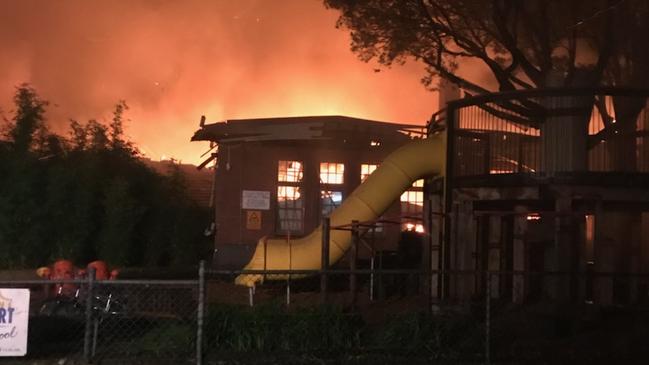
(253,220)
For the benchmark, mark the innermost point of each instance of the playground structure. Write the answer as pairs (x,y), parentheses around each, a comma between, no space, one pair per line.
(544,186)
(550,188)
(416,160)
(278,177)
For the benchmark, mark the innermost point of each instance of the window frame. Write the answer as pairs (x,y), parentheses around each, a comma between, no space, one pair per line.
(412,218)
(288,216)
(371,167)
(337,174)
(324,193)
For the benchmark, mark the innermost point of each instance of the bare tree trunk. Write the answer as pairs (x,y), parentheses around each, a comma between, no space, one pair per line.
(621,142)
(564,137)
(564,132)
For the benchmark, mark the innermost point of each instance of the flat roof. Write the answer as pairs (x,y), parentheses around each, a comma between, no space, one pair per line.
(301,128)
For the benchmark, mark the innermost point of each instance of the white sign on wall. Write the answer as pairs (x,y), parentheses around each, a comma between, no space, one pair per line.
(14,320)
(256,200)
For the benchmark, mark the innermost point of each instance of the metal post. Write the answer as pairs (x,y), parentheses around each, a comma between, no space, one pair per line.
(200,313)
(265,257)
(352,262)
(488,321)
(428,281)
(448,201)
(372,278)
(379,278)
(88,330)
(373,253)
(288,291)
(95,334)
(324,264)
(290,267)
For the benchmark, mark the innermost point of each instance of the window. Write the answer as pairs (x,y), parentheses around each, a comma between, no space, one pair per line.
(331,173)
(290,203)
(412,202)
(366,170)
(289,171)
(330,200)
(418,183)
(412,206)
(290,208)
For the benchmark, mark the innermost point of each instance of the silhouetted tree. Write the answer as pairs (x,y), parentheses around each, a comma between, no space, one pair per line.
(628,67)
(21,183)
(89,197)
(28,118)
(116,129)
(521,45)
(524,44)
(97,135)
(78,135)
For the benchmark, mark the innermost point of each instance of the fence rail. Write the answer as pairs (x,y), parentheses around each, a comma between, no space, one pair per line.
(210,319)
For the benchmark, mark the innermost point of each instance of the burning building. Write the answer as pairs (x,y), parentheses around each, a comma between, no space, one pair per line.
(530,195)
(280,176)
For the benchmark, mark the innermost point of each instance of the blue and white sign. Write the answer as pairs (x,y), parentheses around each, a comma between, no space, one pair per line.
(14,320)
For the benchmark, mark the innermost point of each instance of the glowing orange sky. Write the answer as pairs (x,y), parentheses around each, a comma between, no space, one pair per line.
(173,61)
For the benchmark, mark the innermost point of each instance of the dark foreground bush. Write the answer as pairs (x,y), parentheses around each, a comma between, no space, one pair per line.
(271,328)
(330,333)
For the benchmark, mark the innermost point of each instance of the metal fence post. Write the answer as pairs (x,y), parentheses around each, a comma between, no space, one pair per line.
(290,267)
(324,265)
(488,321)
(200,313)
(88,330)
(352,262)
(372,278)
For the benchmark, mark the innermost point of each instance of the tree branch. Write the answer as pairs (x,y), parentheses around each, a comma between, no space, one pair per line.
(500,20)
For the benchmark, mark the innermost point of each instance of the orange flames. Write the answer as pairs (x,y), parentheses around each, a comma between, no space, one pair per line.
(175,61)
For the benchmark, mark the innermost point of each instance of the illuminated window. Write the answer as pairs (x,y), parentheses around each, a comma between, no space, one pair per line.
(412,202)
(289,171)
(330,200)
(412,206)
(290,208)
(418,183)
(366,170)
(331,173)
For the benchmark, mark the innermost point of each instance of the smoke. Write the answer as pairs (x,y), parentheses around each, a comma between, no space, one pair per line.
(173,61)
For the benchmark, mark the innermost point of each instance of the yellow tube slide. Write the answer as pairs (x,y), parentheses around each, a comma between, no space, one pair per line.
(417,159)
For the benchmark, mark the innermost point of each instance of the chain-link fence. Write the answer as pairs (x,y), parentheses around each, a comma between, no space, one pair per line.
(360,316)
(95,321)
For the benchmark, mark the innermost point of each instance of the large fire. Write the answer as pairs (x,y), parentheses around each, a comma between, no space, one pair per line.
(175,61)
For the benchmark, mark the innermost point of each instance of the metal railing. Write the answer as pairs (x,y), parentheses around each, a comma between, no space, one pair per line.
(544,132)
